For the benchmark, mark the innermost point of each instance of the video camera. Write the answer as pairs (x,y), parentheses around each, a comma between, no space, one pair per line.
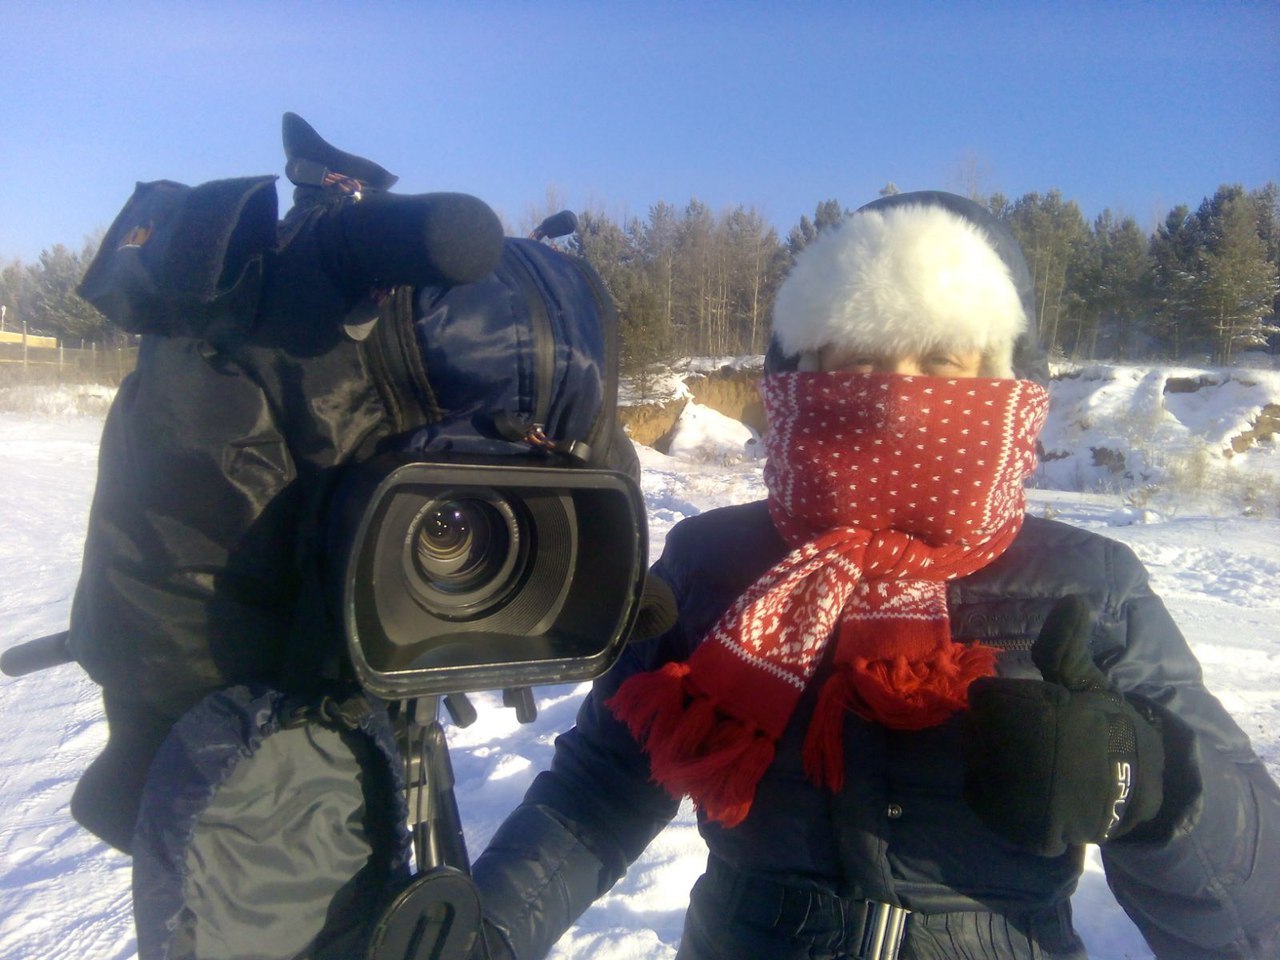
(495,536)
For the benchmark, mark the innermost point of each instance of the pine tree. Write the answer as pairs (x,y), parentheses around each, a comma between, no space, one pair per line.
(753,246)
(17,294)
(56,307)
(606,247)
(1052,234)
(827,214)
(1110,287)
(1176,251)
(1266,200)
(1240,284)
(1127,274)
(695,280)
(658,246)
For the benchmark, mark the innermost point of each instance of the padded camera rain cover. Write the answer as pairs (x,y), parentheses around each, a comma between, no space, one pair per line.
(271,828)
(185,261)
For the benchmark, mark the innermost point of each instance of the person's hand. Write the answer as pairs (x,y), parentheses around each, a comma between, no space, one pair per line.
(1066,760)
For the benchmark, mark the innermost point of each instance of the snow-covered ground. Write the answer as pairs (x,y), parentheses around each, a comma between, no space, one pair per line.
(64,896)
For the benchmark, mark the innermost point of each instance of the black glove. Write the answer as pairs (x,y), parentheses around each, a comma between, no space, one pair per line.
(1066,760)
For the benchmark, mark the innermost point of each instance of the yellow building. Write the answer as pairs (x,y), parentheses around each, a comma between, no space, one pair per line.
(16,336)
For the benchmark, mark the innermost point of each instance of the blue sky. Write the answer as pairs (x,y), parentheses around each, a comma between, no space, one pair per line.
(615,106)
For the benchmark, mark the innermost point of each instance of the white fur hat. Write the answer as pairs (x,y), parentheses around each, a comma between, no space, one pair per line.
(902,279)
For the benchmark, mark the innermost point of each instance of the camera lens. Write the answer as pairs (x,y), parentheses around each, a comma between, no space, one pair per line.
(465,553)
(460,544)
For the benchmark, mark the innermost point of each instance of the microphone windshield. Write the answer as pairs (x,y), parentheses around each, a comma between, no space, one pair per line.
(557,225)
(429,239)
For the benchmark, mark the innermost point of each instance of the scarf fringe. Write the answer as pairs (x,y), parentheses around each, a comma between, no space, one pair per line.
(915,694)
(650,703)
(824,741)
(694,749)
(899,693)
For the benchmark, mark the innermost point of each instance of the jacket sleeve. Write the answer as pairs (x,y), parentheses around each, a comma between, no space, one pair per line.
(583,821)
(186,582)
(1202,879)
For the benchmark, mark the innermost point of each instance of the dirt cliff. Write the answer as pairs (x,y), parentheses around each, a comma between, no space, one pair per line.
(733,393)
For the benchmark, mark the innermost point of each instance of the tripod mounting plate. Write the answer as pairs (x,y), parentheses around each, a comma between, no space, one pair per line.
(436,916)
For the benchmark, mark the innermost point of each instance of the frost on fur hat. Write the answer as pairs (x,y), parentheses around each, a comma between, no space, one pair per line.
(905,278)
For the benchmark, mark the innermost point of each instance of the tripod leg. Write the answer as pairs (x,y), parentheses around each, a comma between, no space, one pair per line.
(433,807)
(437,916)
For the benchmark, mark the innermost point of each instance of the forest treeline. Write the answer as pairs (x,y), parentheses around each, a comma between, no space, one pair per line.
(690,281)
(1203,287)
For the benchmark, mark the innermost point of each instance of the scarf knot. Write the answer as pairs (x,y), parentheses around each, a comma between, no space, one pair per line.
(885,487)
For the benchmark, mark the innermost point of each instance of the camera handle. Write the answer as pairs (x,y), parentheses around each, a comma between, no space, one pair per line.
(39,654)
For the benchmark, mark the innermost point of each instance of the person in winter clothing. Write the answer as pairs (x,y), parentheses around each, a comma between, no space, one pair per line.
(901,705)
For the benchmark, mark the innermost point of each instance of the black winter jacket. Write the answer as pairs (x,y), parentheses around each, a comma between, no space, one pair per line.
(1202,880)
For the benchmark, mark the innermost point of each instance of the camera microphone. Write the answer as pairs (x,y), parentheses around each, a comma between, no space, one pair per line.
(557,225)
(428,239)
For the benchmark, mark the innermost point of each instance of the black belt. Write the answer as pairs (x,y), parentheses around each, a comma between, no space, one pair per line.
(875,928)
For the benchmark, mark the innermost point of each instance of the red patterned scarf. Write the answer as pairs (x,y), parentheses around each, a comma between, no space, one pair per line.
(885,487)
